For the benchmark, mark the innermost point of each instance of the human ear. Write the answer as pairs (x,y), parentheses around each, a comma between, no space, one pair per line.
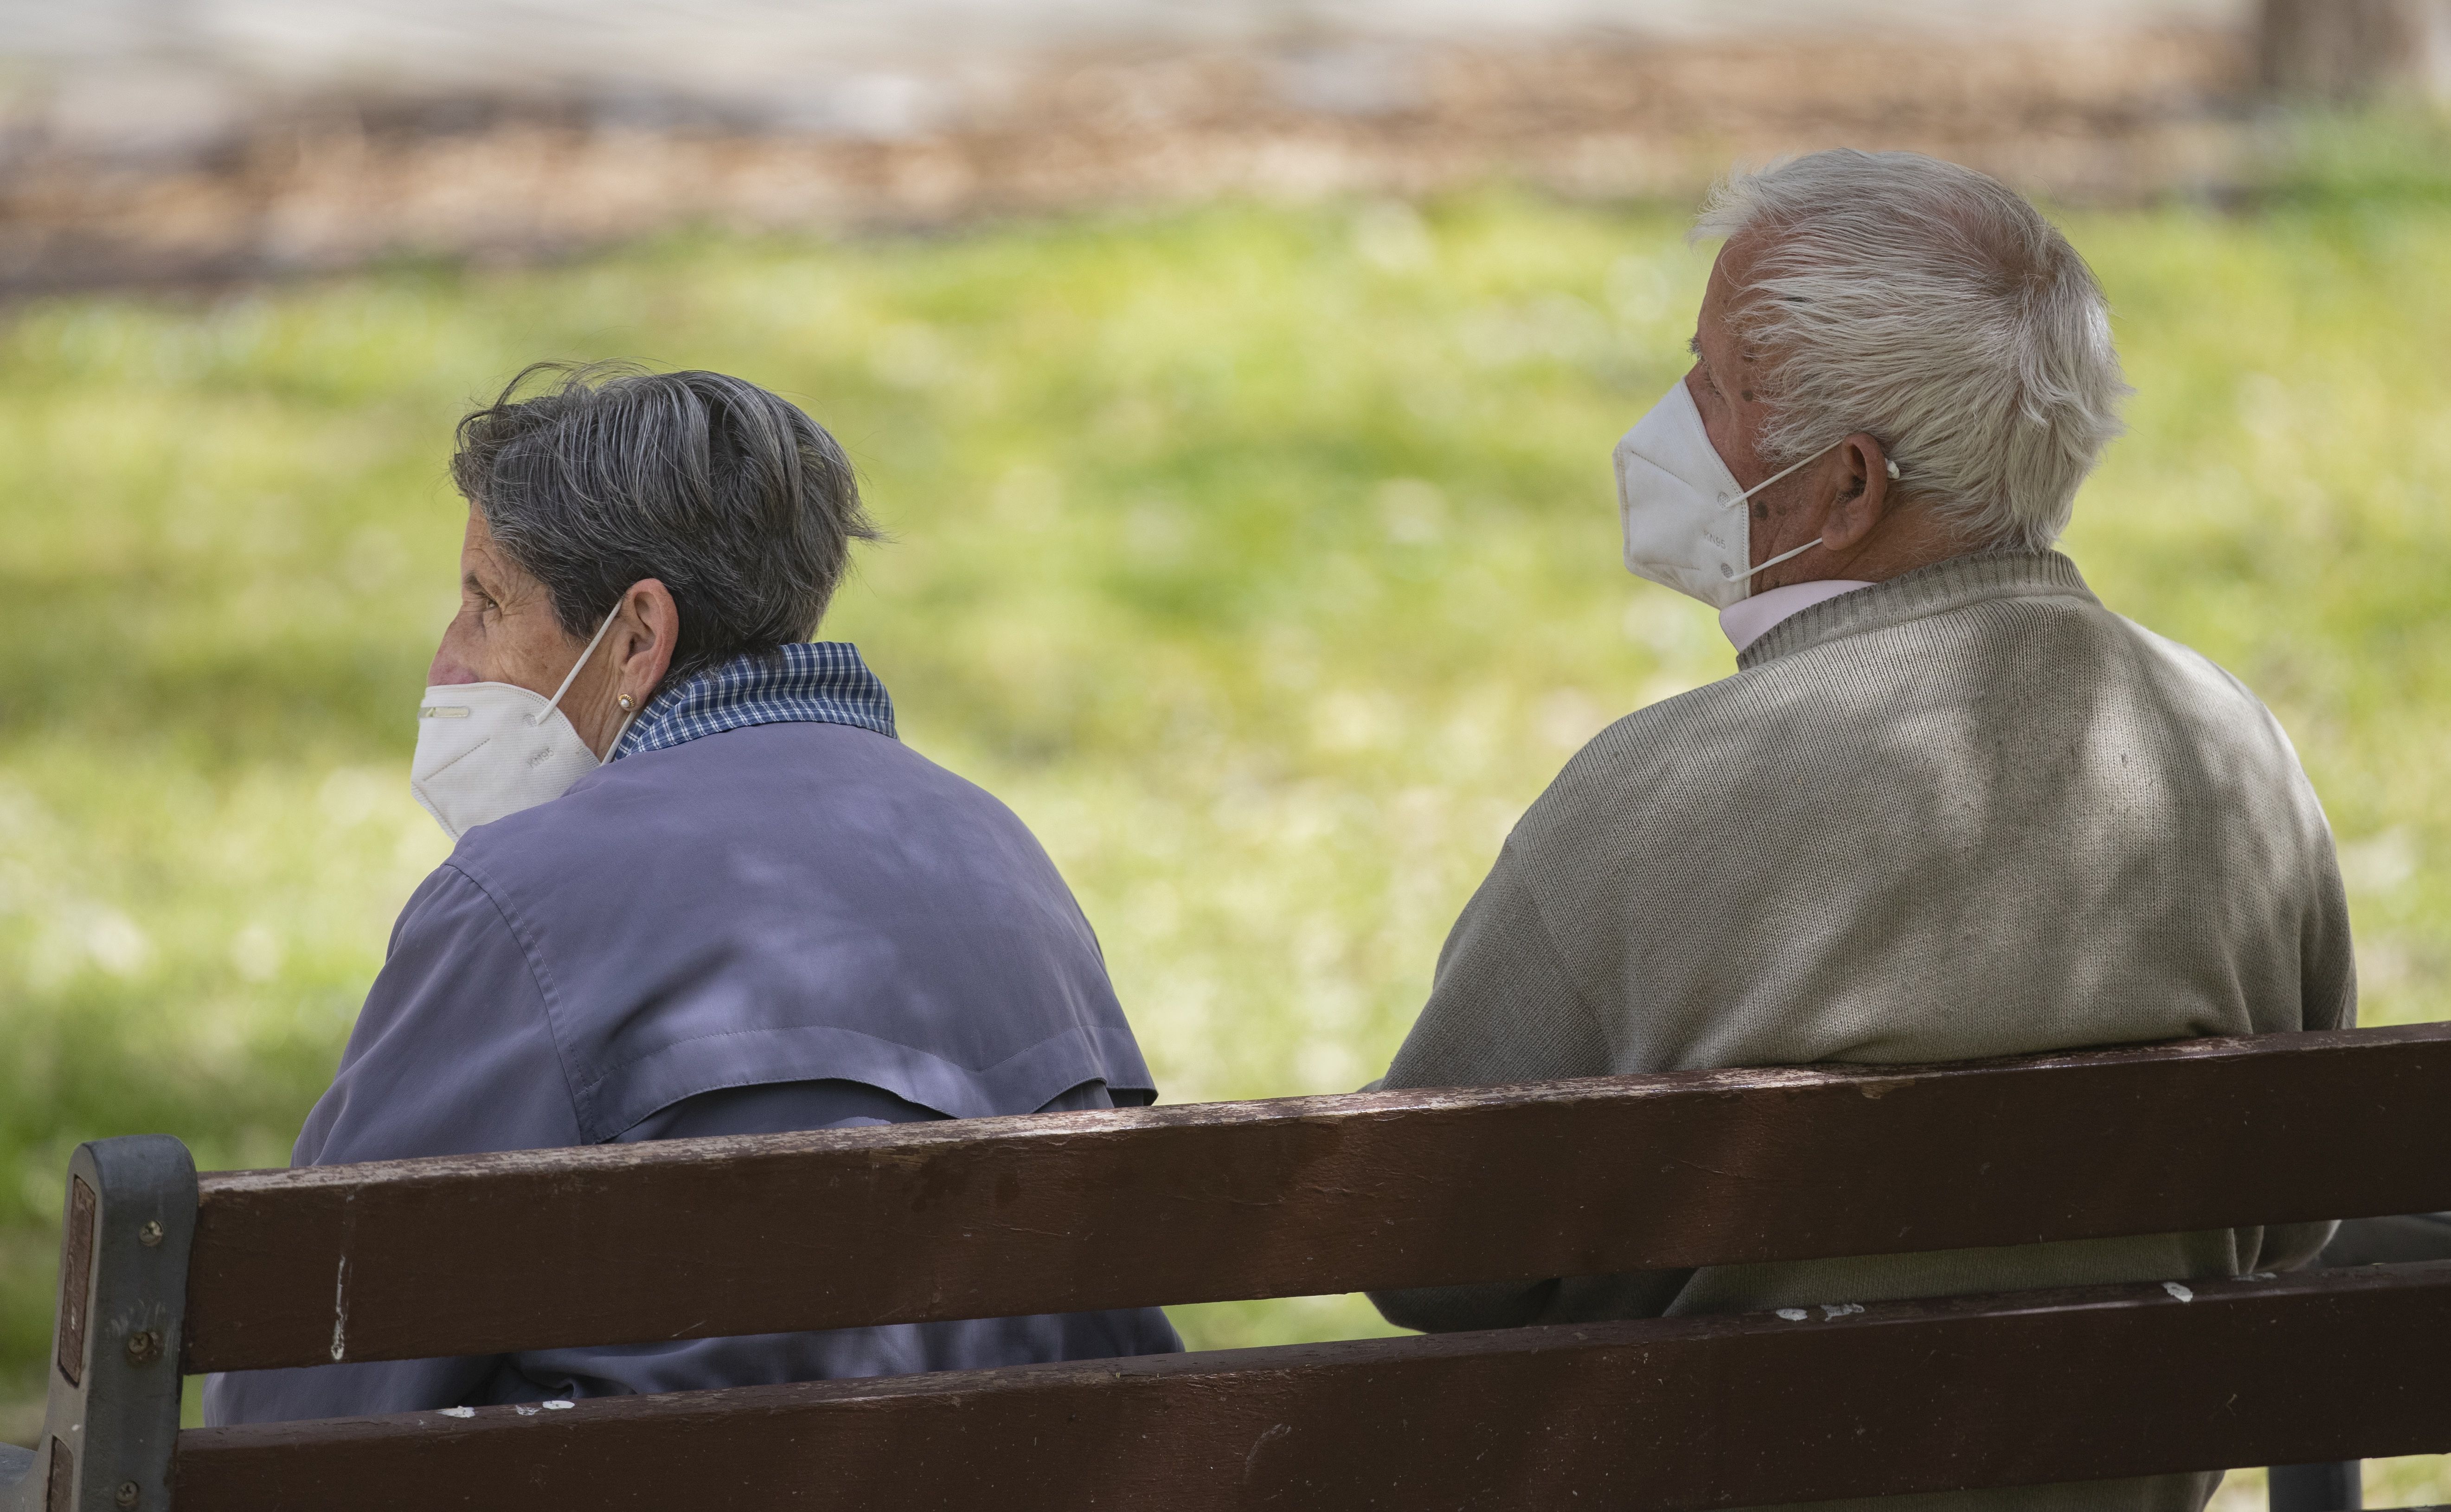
(1863,497)
(650,632)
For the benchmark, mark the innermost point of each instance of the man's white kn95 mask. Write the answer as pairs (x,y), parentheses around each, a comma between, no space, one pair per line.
(1686,525)
(487,750)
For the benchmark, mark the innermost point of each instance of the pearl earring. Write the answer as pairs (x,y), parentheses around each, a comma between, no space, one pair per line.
(624,701)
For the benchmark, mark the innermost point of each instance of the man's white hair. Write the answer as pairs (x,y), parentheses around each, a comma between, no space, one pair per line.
(1932,307)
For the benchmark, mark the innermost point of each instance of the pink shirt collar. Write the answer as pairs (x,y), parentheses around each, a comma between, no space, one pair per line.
(1748,620)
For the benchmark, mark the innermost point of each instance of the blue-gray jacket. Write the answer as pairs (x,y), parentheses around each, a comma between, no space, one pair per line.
(765,913)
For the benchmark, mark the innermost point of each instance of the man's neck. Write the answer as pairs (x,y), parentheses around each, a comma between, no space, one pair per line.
(1748,620)
(1906,541)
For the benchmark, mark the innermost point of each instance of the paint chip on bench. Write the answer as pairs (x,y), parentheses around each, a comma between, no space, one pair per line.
(2178,1291)
(459,1412)
(1794,1314)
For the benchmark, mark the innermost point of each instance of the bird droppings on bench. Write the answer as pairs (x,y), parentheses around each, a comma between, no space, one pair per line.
(1251,1460)
(555,1405)
(2178,1291)
(341,1311)
(1794,1314)
(1839,1309)
(459,1412)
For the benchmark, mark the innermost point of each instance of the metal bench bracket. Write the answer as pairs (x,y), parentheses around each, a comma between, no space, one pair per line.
(111,1427)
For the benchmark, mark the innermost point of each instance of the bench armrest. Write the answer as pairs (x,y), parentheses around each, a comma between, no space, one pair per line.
(110,1427)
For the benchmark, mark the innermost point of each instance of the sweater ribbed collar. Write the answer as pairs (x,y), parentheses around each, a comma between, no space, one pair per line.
(1934,590)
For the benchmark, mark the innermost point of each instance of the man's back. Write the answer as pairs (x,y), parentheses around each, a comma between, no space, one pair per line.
(1967,812)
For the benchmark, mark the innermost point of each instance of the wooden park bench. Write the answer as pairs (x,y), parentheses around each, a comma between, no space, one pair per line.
(166,1272)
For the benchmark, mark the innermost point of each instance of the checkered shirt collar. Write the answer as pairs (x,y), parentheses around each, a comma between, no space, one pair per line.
(820,681)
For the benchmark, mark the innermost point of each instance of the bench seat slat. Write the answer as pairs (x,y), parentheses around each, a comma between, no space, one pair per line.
(1669,1414)
(1057,1212)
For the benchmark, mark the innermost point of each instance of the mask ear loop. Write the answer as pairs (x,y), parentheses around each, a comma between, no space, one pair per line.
(627,720)
(1731,501)
(554,702)
(1733,576)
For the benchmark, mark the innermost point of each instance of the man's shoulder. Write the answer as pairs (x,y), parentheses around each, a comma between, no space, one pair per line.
(1982,690)
(2020,654)
(2186,665)
(1690,735)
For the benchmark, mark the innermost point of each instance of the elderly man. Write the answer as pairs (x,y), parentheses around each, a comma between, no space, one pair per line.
(1949,805)
(700,886)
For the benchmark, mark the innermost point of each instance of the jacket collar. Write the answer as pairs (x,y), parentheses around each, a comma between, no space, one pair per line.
(822,681)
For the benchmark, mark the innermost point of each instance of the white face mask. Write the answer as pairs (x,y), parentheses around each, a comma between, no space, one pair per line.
(1686,524)
(485,750)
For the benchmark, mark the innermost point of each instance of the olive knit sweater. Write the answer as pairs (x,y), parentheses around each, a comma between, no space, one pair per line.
(1967,812)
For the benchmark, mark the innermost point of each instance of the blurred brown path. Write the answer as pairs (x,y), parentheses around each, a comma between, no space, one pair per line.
(180,140)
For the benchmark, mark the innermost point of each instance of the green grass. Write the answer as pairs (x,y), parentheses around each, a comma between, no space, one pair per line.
(1264,560)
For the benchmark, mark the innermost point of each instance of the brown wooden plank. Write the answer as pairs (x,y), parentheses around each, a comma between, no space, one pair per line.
(633,1242)
(1689,1413)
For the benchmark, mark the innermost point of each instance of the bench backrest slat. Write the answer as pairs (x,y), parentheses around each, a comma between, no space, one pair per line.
(1670,1415)
(634,1242)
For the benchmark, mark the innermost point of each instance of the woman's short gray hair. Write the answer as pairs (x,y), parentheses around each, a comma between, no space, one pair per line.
(1931,306)
(743,506)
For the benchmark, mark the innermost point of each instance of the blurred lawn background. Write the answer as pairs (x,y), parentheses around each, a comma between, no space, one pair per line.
(1265,560)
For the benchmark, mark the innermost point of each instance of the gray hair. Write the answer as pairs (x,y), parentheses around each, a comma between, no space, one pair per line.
(743,506)
(1931,306)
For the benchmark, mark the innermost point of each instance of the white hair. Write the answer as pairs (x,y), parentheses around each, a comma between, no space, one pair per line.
(1931,306)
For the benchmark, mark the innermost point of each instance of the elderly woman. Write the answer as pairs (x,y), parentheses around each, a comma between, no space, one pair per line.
(699,887)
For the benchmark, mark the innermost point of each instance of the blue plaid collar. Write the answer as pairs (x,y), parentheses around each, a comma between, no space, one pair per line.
(821,681)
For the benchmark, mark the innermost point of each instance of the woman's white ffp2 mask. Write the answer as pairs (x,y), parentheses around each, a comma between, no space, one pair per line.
(485,750)
(1686,525)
